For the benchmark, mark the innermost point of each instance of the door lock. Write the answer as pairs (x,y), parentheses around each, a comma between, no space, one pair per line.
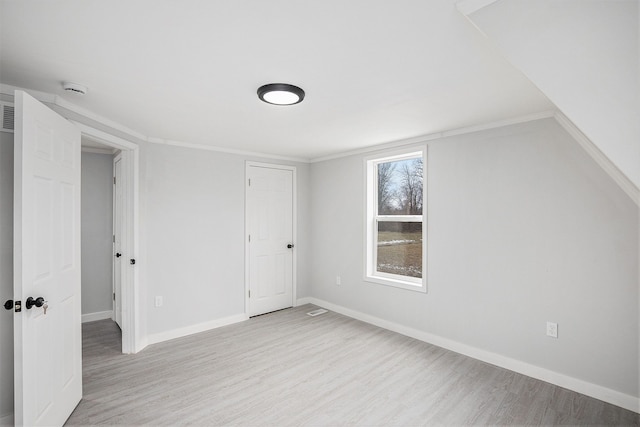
(118,254)
(38,302)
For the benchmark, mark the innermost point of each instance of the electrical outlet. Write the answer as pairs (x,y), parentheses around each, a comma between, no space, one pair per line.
(158,301)
(338,280)
(552,329)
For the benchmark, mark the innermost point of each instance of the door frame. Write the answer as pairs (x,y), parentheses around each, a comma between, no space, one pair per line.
(294,225)
(132,341)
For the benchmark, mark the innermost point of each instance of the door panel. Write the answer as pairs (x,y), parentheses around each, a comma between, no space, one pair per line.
(47,347)
(117,244)
(270,225)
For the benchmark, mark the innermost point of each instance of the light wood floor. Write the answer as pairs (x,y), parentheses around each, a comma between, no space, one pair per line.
(287,368)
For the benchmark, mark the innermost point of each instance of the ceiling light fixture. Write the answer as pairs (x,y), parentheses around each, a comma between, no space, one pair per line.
(280,94)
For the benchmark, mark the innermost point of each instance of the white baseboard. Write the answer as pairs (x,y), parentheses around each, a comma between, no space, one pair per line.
(99,315)
(6,420)
(614,397)
(194,329)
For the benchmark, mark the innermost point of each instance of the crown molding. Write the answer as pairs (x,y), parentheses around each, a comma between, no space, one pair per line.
(60,103)
(225,150)
(438,135)
(594,152)
(599,157)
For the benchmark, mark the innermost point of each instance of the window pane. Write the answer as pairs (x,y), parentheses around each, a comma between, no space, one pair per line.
(400,248)
(400,187)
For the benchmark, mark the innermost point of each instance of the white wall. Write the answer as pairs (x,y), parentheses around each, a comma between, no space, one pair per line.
(584,56)
(523,228)
(193,239)
(6,273)
(97,232)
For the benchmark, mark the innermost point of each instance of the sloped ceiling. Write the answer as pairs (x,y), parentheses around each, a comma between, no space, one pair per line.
(374,71)
(584,56)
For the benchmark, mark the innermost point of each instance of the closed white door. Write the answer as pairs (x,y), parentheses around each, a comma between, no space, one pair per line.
(270,229)
(47,346)
(117,240)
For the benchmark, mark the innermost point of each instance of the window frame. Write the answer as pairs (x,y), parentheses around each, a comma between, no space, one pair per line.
(372,219)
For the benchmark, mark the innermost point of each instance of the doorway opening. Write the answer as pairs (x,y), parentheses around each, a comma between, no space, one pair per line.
(100,269)
(124,242)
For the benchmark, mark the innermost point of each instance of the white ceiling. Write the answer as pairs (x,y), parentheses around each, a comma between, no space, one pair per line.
(374,71)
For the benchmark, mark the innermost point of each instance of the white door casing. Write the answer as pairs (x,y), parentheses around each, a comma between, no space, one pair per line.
(117,240)
(132,340)
(270,229)
(47,348)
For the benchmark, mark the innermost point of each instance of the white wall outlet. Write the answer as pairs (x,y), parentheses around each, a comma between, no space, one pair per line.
(158,301)
(338,280)
(552,329)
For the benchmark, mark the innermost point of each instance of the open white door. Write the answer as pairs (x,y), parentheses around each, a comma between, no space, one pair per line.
(270,227)
(47,347)
(117,239)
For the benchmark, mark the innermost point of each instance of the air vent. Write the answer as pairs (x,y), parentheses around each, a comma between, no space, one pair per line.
(317,312)
(8,117)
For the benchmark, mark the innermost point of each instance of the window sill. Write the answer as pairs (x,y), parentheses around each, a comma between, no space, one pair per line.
(398,283)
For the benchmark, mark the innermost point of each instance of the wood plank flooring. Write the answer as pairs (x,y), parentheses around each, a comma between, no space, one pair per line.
(290,369)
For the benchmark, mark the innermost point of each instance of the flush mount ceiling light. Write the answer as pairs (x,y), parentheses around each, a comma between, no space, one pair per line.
(280,94)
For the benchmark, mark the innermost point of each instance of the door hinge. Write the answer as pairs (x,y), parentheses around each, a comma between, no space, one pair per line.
(114,238)
(249,293)
(249,182)
(249,238)
(114,180)
(114,296)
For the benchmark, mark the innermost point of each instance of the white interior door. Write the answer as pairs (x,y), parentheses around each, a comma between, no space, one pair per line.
(117,240)
(270,228)
(47,347)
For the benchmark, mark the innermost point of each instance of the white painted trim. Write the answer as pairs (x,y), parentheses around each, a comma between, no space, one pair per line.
(58,101)
(132,341)
(9,90)
(600,158)
(194,329)
(370,273)
(438,135)
(7,420)
(98,315)
(104,137)
(96,150)
(294,201)
(605,394)
(225,150)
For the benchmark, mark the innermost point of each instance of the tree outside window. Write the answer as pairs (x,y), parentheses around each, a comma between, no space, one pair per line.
(395,220)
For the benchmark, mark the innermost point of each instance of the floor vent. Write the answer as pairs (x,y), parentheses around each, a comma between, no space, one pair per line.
(317,312)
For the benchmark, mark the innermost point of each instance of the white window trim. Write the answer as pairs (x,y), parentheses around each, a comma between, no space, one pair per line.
(370,232)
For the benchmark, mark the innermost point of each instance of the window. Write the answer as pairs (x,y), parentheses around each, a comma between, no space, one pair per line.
(396,227)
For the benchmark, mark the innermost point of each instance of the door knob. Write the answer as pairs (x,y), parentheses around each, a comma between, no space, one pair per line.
(8,305)
(38,302)
(290,245)
(118,254)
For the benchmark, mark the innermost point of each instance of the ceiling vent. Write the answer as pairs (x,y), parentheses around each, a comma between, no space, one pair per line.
(7,112)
